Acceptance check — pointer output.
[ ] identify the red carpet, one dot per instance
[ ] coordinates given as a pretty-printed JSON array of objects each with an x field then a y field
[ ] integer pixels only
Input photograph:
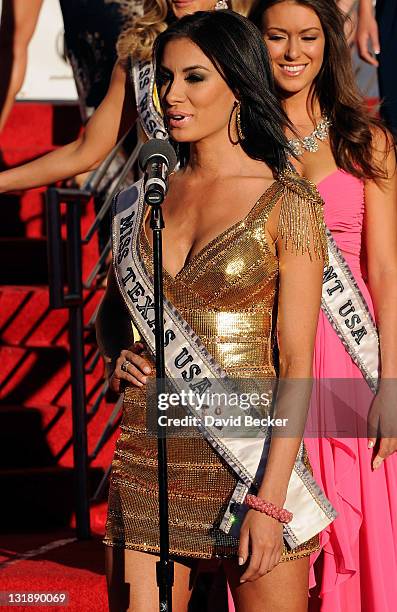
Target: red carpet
[
  {"x": 55, "y": 562},
  {"x": 36, "y": 477}
]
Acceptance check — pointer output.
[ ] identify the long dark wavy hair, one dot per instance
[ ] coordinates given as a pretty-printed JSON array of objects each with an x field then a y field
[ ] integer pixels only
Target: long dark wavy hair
[
  {"x": 352, "y": 130},
  {"x": 235, "y": 47}
]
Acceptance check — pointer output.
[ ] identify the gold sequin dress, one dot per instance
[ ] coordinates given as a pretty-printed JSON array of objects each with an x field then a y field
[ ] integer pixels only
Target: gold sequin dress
[{"x": 227, "y": 294}]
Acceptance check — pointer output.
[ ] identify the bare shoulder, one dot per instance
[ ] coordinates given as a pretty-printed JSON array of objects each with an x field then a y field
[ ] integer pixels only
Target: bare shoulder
[
  {"x": 381, "y": 137},
  {"x": 383, "y": 147}
]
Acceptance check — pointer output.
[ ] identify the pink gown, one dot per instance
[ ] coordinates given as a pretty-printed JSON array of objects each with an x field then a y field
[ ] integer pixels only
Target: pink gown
[{"x": 358, "y": 571}]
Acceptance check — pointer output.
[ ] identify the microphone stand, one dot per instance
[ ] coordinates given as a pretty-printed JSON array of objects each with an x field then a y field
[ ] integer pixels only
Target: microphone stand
[{"x": 164, "y": 567}]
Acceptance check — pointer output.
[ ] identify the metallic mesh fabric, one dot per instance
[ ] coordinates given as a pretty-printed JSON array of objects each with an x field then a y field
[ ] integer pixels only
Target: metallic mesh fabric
[{"x": 227, "y": 294}]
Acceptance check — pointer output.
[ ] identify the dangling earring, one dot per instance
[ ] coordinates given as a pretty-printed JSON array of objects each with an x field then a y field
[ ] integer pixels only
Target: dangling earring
[
  {"x": 238, "y": 122},
  {"x": 240, "y": 135},
  {"x": 220, "y": 5}
]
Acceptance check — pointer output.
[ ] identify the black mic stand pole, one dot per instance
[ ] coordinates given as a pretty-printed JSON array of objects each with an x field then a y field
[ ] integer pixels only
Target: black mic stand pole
[{"x": 164, "y": 567}]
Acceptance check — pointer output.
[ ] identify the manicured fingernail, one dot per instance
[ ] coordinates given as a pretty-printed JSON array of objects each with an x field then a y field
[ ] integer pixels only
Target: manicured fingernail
[
  {"x": 371, "y": 444},
  {"x": 241, "y": 581},
  {"x": 147, "y": 370},
  {"x": 377, "y": 463},
  {"x": 376, "y": 51},
  {"x": 241, "y": 560},
  {"x": 143, "y": 380}
]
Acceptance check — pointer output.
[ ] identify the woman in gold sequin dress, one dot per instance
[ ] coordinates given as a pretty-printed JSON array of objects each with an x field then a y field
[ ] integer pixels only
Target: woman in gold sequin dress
[{"x": 238, "y": 232}]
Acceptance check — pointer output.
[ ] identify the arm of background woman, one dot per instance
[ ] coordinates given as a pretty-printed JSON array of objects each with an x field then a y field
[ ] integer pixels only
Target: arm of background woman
[
  {"x": 300, "y": 286},
  {"x": 367, "y": 32},
  {"x": 109, "y": 122},
  {"x": 381, "y": 251}
]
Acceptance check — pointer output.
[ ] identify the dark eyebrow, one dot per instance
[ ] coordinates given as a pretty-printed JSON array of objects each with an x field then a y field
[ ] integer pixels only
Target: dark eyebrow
[
  {"x": 197, "y": 66},
  {"x": 286, "y": 32}
]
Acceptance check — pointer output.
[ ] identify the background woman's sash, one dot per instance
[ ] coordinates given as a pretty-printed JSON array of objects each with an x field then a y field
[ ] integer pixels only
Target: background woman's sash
[
  {"x": 346, "y": 309},
  {"x": 142, "y": 74}
]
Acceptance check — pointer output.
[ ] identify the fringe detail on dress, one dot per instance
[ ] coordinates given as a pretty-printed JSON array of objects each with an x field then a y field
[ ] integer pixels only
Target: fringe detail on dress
[{"x": 301, "y": 223}]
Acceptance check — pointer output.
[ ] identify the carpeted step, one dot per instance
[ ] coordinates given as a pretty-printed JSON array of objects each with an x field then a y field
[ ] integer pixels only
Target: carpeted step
[
  {"x": 24, "y": 214},
  {"x": 31, "y": 131},
  {"x": 34, "y": 375},
  {"x": 34, "y": 129},
  {"x": 42, "y": 375},
  {"x": 35, "y": 398},
  {"x": 26, "y": 261},
  {"x": 40, "y": 497},
  {"x": 38, "y": 437},
  {"x": 42, "y": 435},
  {"x": 23, "y": 436},
  {"x": 26, "y": 318}
]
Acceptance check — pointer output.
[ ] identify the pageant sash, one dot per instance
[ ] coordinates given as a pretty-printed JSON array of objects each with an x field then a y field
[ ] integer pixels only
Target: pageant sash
[
  {"x": 142, "y": 73},
  {"x": 346, "y": 309},
  {"x": 312, "y": 511}
]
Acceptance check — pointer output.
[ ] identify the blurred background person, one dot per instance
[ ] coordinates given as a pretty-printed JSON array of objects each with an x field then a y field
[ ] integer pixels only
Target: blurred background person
[
  {"x": 133, "y": 74},
  {"x": 92, "y": 28},
  {"x": 18, "y": 23},
  {"x": 91, "y": 31},
  {"x": 377, "y": 45}
]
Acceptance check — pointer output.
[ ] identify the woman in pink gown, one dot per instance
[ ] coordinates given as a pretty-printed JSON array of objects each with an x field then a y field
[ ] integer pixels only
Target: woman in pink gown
[
  {"x": 352, "y": 162},
  {"x": 359, "y": 564}
]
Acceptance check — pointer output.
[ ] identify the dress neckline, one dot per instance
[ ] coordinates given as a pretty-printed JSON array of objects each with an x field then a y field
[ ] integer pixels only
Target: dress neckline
[
  {"x": 188, "y": 264},
  {"x": 328, "y": 176}
]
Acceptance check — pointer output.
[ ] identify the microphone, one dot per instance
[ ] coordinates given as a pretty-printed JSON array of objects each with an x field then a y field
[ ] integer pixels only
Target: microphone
[{"x": 157, "y": 159}]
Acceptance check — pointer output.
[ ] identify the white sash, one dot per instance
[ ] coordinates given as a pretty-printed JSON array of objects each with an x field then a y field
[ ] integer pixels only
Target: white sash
[
  {"x": 346, "y": 309},
  {"x": 312, "y": 511},
  {"x": 142, "y": 74}
]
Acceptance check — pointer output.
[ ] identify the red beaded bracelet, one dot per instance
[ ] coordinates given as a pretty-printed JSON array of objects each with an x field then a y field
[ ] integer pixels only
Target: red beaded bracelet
[{"x": 280, "y": 514}]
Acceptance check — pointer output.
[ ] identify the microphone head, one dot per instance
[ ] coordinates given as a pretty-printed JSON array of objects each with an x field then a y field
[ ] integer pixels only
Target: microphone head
[{"x": 157, "y": 146}]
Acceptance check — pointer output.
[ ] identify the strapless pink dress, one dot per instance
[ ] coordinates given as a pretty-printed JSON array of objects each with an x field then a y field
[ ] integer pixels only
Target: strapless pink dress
[
  {"x": 357, "y": 568},
  {"x": 359, "y": 560}
]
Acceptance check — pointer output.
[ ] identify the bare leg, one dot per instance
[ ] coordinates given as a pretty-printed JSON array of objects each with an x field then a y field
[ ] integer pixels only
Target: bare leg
[
  {"x": 284, "y": 589},
  {"x": 18, "y": 22},
  {"x": 131, "y": 579}
]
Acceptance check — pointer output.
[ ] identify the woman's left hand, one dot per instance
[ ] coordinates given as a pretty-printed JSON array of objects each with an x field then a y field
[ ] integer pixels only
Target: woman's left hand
[
  {"x": 261, "y": 541},
  {"x": 382, "y": 423}
]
